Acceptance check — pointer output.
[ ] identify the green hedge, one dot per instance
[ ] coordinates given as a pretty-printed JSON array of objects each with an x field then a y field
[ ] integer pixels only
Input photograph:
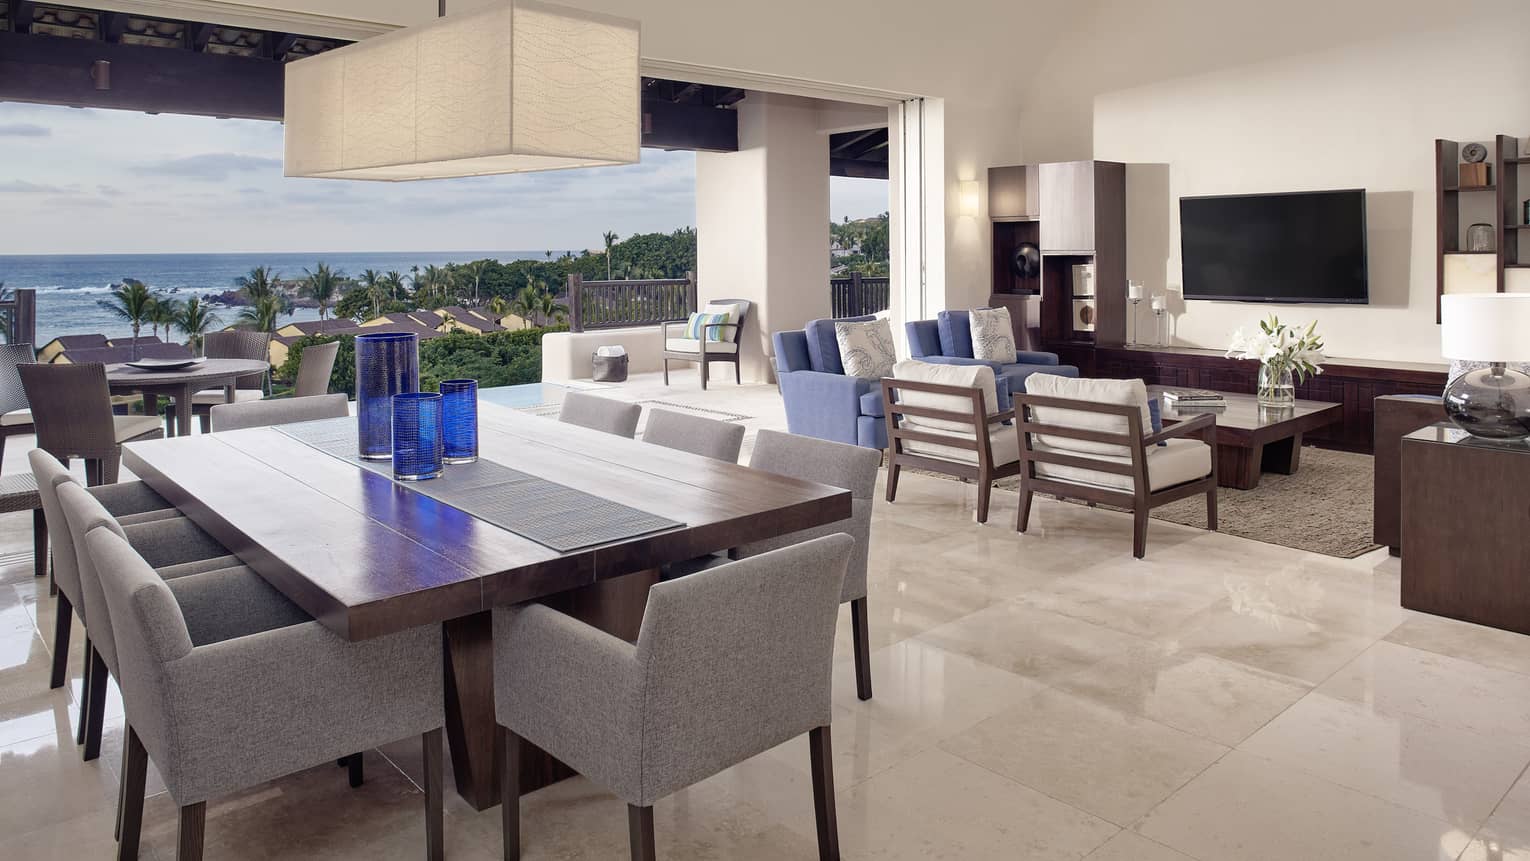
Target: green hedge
[{"x": 496, "y": 359}]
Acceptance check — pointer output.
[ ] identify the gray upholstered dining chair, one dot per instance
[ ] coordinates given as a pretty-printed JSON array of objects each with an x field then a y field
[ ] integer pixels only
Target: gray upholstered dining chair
[
  {"x": 603, "y": 414},
  {"x": 130, "y": 502},
  {"x": 695, "y": 434},
  {"x": 278, "y": 411},
  {"x": 219, "y": 710},
  {"x": 231, "y": 344},
  {"x": 315, "y": 366},
  {"x": 729, "y": 663},
  {"x": 72, "y": 412},
  {"x": 15, "y": 412}
]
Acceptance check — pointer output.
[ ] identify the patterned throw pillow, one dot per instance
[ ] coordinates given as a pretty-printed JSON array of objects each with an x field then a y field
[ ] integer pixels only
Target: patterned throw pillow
[
  {"x": 697, "y": 323},
  {"x": 866, "y": 349},
  {"x": 993, "y": 339}
]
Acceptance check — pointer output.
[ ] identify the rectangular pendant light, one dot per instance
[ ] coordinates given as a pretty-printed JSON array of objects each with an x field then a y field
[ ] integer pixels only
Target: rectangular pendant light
[{"x": 509, "y": 88}]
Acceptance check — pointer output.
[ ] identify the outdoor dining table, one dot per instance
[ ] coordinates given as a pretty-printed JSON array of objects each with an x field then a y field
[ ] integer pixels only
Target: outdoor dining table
[
  {"x": 366, "y": 555},
  {"x": 181, "y": 384}
]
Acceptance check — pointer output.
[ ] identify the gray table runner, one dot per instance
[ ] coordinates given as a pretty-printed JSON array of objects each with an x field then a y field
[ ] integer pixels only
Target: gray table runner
[{"x": 543, "y": 511}]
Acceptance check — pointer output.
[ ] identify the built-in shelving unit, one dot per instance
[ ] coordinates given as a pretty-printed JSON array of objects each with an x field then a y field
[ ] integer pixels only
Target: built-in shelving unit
[{"x": 1505, "y": 215}]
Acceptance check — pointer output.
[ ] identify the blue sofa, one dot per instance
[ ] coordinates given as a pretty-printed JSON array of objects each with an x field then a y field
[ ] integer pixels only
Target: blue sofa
[
  {"x": 821, "y": 401},
  {"x": 947, "y": 340}
]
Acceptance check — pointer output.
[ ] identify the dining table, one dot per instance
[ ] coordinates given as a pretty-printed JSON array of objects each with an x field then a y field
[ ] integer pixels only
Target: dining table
[
  {"x": 552, "y": 512},
  {"x": 181, "y": 384}
]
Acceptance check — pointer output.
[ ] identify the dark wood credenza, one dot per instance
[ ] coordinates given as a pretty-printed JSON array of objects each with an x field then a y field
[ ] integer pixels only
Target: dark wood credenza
[{"x": 1355, "y": 384}]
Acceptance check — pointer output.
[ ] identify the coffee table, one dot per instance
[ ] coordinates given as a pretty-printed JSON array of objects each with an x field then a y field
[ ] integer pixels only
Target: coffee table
[{"x": 1254, "y": 439}]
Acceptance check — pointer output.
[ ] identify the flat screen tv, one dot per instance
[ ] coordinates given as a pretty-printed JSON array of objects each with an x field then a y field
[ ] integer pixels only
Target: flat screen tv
[{"x": 1299, "y": 247}]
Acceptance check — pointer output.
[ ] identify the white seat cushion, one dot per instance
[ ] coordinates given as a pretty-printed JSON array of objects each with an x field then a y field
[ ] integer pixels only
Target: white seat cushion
[
  {"x": 1179, "y": 461},
  {"x": 128, "y": 427},
  {"x": 691, "y": 345},
  {"x": 1115, "y": 392},
  {"x": 15, "y": 418},
  {"x": 1002, "y": 439},
  {"x": 213, "y": 397}
]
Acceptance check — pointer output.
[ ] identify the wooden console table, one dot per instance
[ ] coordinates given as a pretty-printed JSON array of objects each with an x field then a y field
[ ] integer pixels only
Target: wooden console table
[
  {"x": 1466, "y": 527},
  {"x": 1253, "y": 439}
]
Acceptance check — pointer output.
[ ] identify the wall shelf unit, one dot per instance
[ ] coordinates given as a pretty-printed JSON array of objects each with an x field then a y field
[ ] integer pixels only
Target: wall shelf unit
[{"x": 1504, "y": 216}]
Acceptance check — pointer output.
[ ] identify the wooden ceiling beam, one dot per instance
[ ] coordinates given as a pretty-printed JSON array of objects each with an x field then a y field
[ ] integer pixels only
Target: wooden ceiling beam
[{"x": 679, "y": 126}]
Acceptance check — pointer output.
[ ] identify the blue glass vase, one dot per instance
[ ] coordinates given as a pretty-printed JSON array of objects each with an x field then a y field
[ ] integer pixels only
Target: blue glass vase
[
  {"x": 459, "y": 399},
  {"x": 417, "y": 436},
  {"x": 386, "y": 365}
]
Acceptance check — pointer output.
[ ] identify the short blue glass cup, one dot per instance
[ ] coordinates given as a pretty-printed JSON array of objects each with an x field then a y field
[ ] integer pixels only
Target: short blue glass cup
[
  {"x": 417, "y": 436},
  {"x": 459, "y": 401}
]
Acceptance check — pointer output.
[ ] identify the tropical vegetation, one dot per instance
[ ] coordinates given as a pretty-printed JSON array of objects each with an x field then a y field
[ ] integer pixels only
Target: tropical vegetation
[
  {"x": 133, "y": 301},
  {"x": 861, "y": 246},
  {"x": 496, "y": 359}
]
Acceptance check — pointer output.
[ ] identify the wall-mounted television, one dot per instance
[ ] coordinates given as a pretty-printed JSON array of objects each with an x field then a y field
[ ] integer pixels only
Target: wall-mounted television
[{"x": 1304, "y": 246}]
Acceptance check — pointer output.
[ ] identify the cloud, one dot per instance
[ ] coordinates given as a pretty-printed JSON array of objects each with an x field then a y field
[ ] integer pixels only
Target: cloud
[
  {"x": 109, "y": 191},
  {"x": 21, "y": 186},
  {"x": 24, "y": 130},
  {"x": 209, "y": 167}
]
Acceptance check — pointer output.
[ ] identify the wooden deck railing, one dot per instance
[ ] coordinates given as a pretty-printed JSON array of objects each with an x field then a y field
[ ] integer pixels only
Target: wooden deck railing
[
  {"x": 639, "y": 302},
  {"x": 18, "y": 317},
  {"x": 859, "y": 295}
]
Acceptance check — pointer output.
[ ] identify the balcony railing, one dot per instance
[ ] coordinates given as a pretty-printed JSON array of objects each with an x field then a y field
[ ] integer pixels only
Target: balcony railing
[
  {"x": 18, "y": 317},
  {"x": 858, "y": 295},
  {"x": 638, "y": 302}
]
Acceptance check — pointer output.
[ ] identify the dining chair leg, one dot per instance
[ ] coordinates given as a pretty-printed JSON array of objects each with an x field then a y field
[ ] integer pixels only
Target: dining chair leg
[
  {"x": 823, "y": 793},
  {"x": 193, "y": 829},
  {"x": 135, "y": 774},
  {"x": 892, "y": 481},
  {"x": 1139, "y": 531},
  {"x": 1023, "y": 518},
  {"x": 96, "y": 704},
  {"x": 640, "y": 832},
  {"x": 122, "y": 784},
  {"x": 510, "y": 794},
  {"x": 435, "y": 824},
  {"x": 666, "y": 372},
  {"x": 85, "y": 685},
  {"x": 357, "y": 775},
  {"x": 861, "y": 627},
  {"x": 985, "y": 495},
  {"x": 738, "y": 375},
  {"x": 704, "y": 374},
  {"x": 204, "y": 421},
  {"x": 93, "y": 469},
  {"x": 1211, "y": 508},
  {"x": 39, "y": 542},
  {"x": 110, "y": 466},
  {"x": 63, "y": 620}
]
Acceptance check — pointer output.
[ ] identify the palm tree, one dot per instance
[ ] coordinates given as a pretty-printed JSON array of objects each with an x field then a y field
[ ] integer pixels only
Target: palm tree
[
  {"x": 498, "y": 307},
  {"x": 549, "y": 308},
  {"x": 195, "y": 319},
  {"x": 321, "y": 286},
  {"x": 261, "y": 315},
  {"x": 525, "y": 303},
  {"x": 475, "y": 272},
  {"x": 131, "y": 301},
  {"x": 164, "y": 312},
  {"x": 395, "y": 282},
  {"x": 414, "y": 278},
  {"x": 260, "y": 281},
  {"x": 610, "y": 237},
  {"x": 430, "y": 286},
  {"x": 376, "y": 286}
]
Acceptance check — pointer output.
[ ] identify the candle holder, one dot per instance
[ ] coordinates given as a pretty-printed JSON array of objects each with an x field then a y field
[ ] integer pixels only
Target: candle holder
[
  {"x": 1133, "y": 298},
  {"x": 459, "y": 400},
  {"x": 418, "y": 436},
  {"x": 386, "y": 365}
]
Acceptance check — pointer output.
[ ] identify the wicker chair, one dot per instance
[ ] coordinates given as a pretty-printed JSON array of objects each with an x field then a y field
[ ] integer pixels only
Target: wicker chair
[
  {"x": 72, "y": 412},
  {"x": 315, "y": 366},
  {"x": 15, "y": 414},
  {"x": 230, "y": 344},
  {"x": 704, "y": 350}
]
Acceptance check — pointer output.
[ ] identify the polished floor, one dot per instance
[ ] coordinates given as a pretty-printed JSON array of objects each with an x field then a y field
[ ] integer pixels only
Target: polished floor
[{"x": 1037, "y": 697}]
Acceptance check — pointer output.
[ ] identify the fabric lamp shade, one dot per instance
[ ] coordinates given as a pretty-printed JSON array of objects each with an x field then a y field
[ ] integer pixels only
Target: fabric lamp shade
[
  {"x": 508, "y": 88},
  {"x": 1485, "y": 327}
]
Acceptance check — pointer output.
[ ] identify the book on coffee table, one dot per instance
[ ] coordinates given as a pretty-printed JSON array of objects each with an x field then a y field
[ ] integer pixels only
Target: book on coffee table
[{"x": 1194, "y": 397}]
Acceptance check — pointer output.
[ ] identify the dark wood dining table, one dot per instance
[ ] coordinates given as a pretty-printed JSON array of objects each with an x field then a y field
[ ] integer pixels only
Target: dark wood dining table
[
  {"x": 367, "y": 556},
  {"x": 181, "y": 384}
]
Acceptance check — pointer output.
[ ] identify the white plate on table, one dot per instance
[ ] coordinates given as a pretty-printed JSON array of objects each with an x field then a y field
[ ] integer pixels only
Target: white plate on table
[{"x": 164, "y": 364}]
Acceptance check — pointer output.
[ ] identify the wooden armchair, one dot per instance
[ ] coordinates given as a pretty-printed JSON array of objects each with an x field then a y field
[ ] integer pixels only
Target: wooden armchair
[
  {"x": 945, "y": 427},
  {"x": 704, "y": 350},
  {"x": 1097, "y": 452}
]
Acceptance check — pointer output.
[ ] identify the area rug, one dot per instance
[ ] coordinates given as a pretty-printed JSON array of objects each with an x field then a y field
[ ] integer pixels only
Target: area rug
[{"x": 1324, "y": 508}]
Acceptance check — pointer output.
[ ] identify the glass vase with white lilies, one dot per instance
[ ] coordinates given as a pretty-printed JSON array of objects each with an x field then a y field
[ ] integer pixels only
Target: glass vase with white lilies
[{"x": 1287, "y": 355}]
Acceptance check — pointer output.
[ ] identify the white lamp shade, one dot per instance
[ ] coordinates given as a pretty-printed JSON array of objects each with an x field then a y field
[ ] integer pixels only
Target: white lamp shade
[
  {"x": 508, "y": 88},
  {"x": 1485, "y": 327}
]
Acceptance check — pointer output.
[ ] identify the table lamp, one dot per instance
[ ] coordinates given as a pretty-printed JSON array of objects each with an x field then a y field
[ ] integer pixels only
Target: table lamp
[{"x": 1492, "y": 402}]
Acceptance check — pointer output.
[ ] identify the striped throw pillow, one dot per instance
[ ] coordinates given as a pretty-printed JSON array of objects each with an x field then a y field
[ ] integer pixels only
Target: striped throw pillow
[{"x": 698, "y": 326}]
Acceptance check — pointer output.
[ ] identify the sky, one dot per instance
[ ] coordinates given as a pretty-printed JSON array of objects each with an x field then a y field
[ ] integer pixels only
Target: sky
[{"x": 88, "y": 181}]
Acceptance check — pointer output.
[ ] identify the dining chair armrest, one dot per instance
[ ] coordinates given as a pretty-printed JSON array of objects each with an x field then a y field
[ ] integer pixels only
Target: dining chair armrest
[
  {"x": 571, "y": 689},
  {"x": 1203, "y": 426}
]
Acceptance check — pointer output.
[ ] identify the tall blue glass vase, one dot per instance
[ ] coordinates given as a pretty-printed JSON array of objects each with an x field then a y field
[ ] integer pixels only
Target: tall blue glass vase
[
  {"x": 417, "y": 436},
  {"x": 386, "y": 365},
  {"x": 460, "y": 404}
]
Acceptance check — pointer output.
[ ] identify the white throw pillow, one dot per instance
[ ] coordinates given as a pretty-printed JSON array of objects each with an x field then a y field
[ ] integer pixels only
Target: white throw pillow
[
  {"x": 993, "y": 339},
  {"x": 965, "y": 376},
  {"x": 1119, "y": 392},
  {"x": 866, "y": 349}
]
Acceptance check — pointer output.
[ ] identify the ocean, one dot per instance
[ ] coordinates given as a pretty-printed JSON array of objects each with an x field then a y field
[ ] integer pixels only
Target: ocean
[{"x": 70, "y": 286}]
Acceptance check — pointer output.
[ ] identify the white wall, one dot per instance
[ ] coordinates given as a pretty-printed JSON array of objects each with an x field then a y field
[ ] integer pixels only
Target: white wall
[{"x": 1361, "y": 116}]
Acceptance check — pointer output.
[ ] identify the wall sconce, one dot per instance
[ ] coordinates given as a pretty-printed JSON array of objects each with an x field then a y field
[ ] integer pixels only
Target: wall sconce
[{"x": 967, "y": 198}]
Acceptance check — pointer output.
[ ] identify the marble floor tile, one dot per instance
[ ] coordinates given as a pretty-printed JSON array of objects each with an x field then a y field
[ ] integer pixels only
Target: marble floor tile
[
  {"x": 939, "y": 806},
  {"x": 1194, "y": 692},
  {"x": 87, "y": 836},
  {"x": 1255, "y": 636},
  {"x": 1130, "y": 846},
  {"x": 1095, "y": 758},
  {"x": 1506, "y": 834},
  {"x": 1450, "y": 691},
  {"x": 1449, "y": 774},
  {"x": 1029, "y": 642},
  {"x": 1490, "y": 647},
  {"x": 43, "y": 783},
  {"x": 1245, "y": 808}
]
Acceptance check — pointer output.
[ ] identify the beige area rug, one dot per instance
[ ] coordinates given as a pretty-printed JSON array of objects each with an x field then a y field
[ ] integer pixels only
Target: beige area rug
[{"x": 1324, "y": 508}]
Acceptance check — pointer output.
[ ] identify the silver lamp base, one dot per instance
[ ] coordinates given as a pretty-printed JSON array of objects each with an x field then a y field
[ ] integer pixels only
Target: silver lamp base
[{"x": 1491, "y": 402}]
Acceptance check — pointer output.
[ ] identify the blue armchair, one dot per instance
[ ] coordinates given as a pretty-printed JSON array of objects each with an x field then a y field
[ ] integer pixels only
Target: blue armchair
[
  {"x": 947, "y": 340},
  {"x": 821, "y": 401}
]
